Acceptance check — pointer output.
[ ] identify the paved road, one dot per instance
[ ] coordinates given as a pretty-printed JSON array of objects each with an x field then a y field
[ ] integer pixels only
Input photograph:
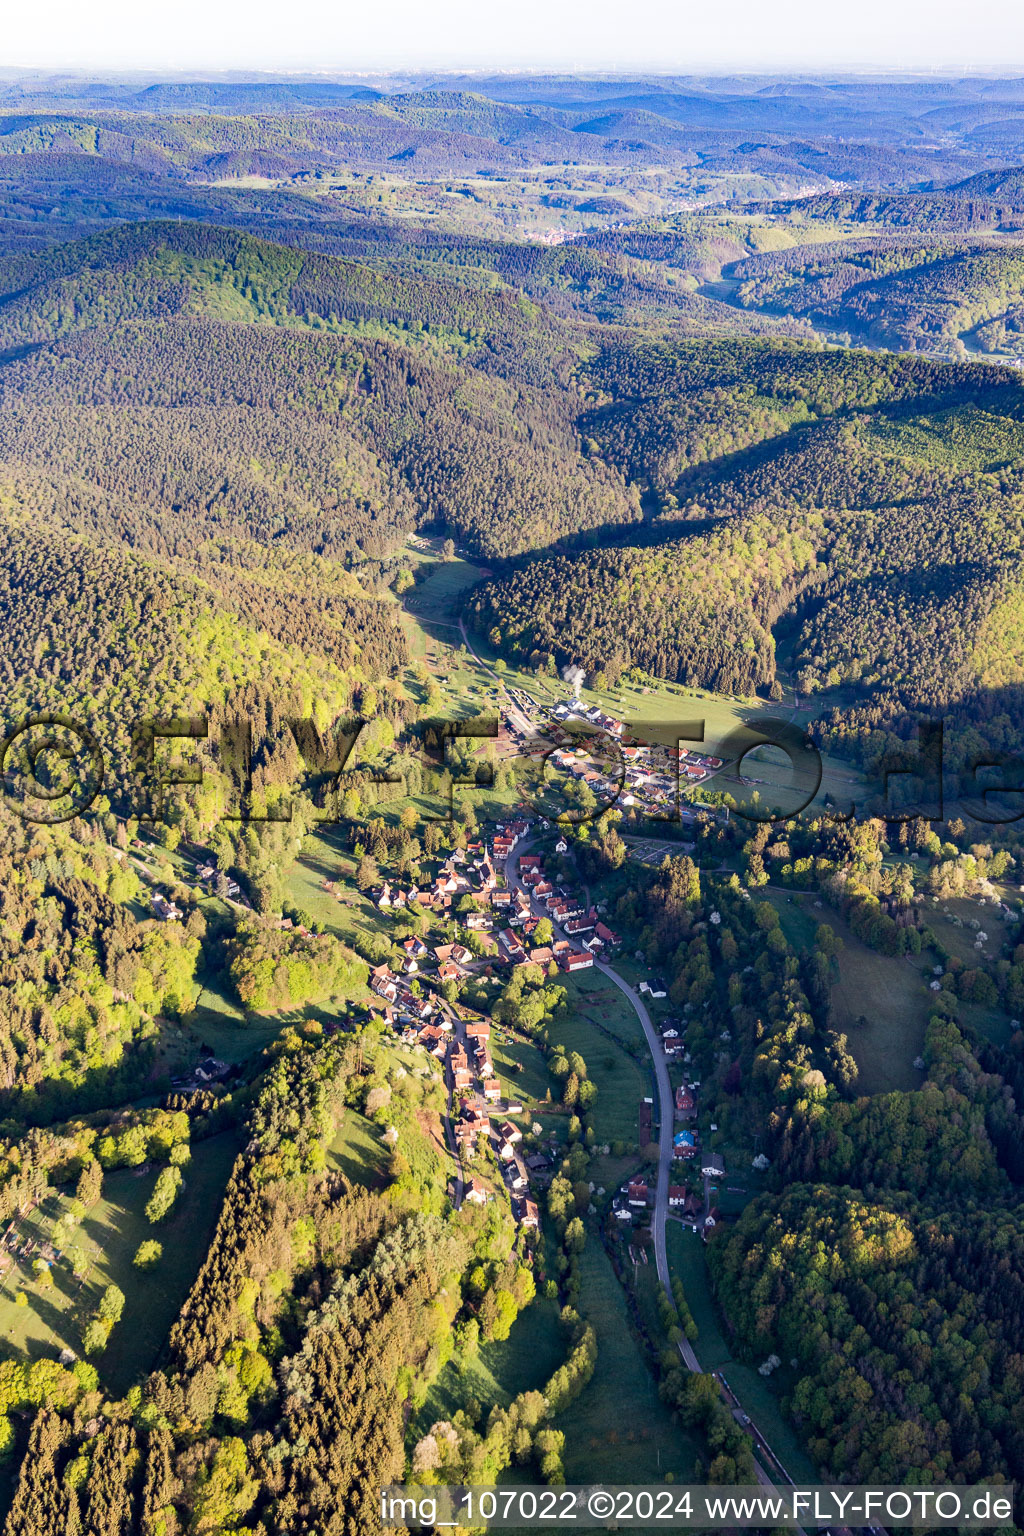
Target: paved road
[
  {"x": 665, "y": 1110},
  {"x": 665, "y": 1105}
]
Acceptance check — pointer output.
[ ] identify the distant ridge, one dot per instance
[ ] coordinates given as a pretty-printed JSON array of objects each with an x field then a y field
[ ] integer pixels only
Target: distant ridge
[{"x": 174, "y": 96}]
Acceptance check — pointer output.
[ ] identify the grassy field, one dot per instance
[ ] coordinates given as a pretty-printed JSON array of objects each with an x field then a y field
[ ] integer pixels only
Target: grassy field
[
  {"x": 620, "y": 1080},
  {"x": 891, "y": 997},
  {"x": 594, "y": 995},
  {"x": 323, "y": 857},
  {"x": 223, "y": 1026},
  {"x": 951, "y": 920},
  {"x": 798, "y": 917},
  {"x": 760, "y": 1396},
  {"x": 358, "y": 1152},
  {"x": 110, "y": 1234},
  {"x": 619, "y": 1425},
  {"x": 522, "y": 1071},
  {"x": 524, "y": 1362}
]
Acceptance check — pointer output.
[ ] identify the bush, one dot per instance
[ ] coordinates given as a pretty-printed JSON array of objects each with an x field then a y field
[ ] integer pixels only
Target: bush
[
  {"x": 111, "y": 1305},
  {"x": 148, "y": 1253},
  {"x": 165, "y": 1192},
  {"x": 95, "y": 1336}
]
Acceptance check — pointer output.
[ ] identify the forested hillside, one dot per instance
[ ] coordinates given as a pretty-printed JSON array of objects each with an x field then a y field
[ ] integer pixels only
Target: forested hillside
[
  {"x": 894, "y": 292},
  {"x": 334, "y": 410},
  {"x": 879, "y": 499}
]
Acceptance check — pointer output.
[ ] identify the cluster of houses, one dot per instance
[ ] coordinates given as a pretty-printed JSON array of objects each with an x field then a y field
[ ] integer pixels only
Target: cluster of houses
[
  {"x": 404, "y": 1008},
  {"x": 505, "y": 1139},
  {"x": 575, "y": 709},
  {"x": 586, "y": 934},
  {"x": 634, "y": 1199},
  {"x": 472, "y": 1078},
  {"x": 463, "y": 1075},
  {"x": 207, "y": 875},
  {"x": 685, "y": 1141},
  {"x": 466, "y": 872},
  {"x": 651, "y": 775},
  {"x": 474, "y": 872}
]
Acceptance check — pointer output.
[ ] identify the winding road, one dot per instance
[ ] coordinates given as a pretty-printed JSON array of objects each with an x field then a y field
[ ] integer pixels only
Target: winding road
[{"x": 666, "y": 1120}]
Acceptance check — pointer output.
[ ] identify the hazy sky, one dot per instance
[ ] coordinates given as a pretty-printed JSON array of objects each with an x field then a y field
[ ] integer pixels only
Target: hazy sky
[{"x": 905, "y": 35}]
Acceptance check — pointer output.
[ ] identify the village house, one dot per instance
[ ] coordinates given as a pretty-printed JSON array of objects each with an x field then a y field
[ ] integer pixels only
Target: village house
[
  {"x": 677, "y": 1194},
  {"x": 515, "y": 1176},
  {"x": 418, "y": 1007},
  {"x": 476, "y": 1192},
  {"x": 491, "y": 1089},
  {"x": 577, "y": 960},
  {"x": 637, "y": 1192},
  {"x": 712, "y": 1166},
  {"x": 384, "y": 982},
  {"x": 455, "y": 953},
  {"x": 511, "y": 946},
  {"x": 472, "y": 1125},
  {"x": 692, "y": 1208},
  {"x": 685, "y": 1103},
  {"x": 527, "y": 1215}
]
